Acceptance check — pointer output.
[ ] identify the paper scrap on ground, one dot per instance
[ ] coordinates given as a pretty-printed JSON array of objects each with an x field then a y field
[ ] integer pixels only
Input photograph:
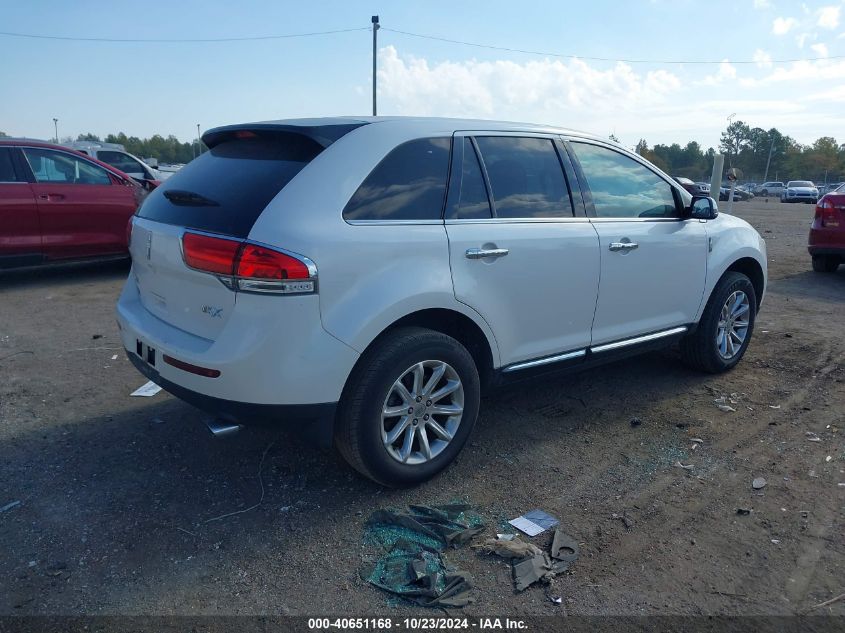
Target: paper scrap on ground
[
  {"x": 150, "y": 389},
  {"x": 534, "y": 522}
]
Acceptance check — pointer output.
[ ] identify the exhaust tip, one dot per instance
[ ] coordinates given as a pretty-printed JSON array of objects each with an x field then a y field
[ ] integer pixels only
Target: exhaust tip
[{"x": 221, "y": 428}]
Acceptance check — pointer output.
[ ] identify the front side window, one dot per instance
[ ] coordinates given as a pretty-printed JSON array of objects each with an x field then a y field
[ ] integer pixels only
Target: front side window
[
  {"x": 525, "y": 176},
  {"x": 622, "y": 187},
  {"x": 408, "y": 184},
  {"x": 124, "y": 163},
  {"x": 52, "y": 166}
]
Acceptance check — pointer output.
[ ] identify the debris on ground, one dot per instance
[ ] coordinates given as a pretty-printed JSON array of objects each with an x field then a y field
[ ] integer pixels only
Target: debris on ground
[
  {"x": 94, "y": 337},
  {"x": 743, "y": 511},
  {"x": 758, "y": 483},
  {"x": 146, "y": 390},
  {"x": 9, "y": 506},
  {"x": 534, "y": 522},
  {"x": 635, "y": 421},
  {"x": 678, "y": 464},
  {"x": 530, "y": 564},
  {"x": 414, "y": 540},
  {"x": 626, "y": 520},
  {"x": 828, "y": 458},
  {"x": 813, "y": 437}
]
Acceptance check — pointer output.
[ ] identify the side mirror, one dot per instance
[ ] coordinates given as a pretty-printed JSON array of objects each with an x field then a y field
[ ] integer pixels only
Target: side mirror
[{"x": 703, "y": 208}]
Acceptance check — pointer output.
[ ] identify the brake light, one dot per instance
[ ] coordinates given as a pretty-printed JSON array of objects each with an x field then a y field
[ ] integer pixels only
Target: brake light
[
  {"x": 210, "y": 254},
  {"x": 129, "y": 232},
  {"x": 249, "y": 267},
  {"x": 826, "y": 212}
]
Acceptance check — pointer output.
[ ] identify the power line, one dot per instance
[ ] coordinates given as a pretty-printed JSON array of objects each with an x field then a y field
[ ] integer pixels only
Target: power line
[
  {"x": 179, "y": 40},
  {"x": 602, "y": 59}
]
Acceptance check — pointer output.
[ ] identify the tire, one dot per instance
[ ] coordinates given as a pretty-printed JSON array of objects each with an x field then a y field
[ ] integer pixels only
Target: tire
[
  {"x": 702, "y": 349},
  {"x": 362, "y": 432},
  {"x": 765, "y": 192},
  {"x": 825, "y": 263}
]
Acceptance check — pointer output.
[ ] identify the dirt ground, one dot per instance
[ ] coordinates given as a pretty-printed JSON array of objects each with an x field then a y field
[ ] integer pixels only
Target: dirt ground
[{"x": 116, "y": 493}]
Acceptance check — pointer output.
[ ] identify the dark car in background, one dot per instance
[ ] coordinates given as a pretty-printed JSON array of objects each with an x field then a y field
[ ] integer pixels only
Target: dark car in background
[
  {"x": 827, "y": 233},
  {"x": 695, "y": 188},
  {"x": 57, "y": 204}
]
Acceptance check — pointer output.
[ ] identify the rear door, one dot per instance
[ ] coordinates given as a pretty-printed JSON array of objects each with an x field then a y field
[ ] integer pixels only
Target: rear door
[
  {"x": 522, "y": 252},
  {"x": 20, "y": 234},
  {"x": 653, "y": 262},
  {"x": 82, "y": 209},
  {"x": 222, "y": 192}
]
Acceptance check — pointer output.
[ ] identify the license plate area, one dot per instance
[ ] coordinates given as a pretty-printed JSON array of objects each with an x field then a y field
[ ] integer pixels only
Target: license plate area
[{"x": 145, "y": 352}]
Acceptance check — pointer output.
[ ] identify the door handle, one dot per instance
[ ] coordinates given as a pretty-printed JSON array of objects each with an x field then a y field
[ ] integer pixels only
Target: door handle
[
  {"x": 51, "y": 196},
  {"x": 623, "y": 246},
  {"x": 481, "y": 253}
]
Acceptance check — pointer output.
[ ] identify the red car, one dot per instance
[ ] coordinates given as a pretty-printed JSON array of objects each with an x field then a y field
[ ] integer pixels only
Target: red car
[
  {"x": 827, "y": 233},
  {"x": 57, "y": 204}
]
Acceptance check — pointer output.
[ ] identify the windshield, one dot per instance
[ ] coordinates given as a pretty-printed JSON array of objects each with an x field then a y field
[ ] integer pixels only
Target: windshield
[{"x": 800, "y": 183}]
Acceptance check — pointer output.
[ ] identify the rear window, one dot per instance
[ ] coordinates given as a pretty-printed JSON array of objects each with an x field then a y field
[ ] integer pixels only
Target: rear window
[{"x": 225, "y": 189}]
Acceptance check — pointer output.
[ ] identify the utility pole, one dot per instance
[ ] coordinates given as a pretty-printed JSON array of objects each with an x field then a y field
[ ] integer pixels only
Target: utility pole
[
  {"x": 376, "y": 27},
  {"x": 771, "y": 149},
  {"x": 199, "y": 145},
  {"x": 56, "y": 127},
  {"x": 730, "y": 162}
]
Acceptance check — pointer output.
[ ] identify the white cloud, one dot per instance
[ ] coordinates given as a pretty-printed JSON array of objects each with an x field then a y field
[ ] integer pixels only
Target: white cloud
[
  {"x": 726, "y": 72},
  {"x": 782, "y": 26},
  {"x": 630, "y": 101},
  {"x": 820, "y": 49},
  {"x": 762, "y": 4},
  {"x": 762, "y": 58},
  {"x": 828, "y": 17},
  {"x": 536, "y": 89}
]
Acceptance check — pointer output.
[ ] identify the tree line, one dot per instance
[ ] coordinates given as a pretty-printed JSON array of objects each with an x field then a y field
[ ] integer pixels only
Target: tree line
[
  {"x": 751, "y": 149},
  {"x": 166, "y": 150}
]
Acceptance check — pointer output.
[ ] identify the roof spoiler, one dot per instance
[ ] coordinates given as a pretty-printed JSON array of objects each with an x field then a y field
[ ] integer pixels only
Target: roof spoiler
[{"x": 322, "y": 135}]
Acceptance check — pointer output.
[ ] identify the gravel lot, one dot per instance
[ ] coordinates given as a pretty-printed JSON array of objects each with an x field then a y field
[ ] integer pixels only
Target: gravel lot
[{"x": 116, "y": 493}]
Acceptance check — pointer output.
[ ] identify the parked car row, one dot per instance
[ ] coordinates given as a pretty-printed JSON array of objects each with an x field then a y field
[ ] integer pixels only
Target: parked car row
[{"x": 58, "y": 204}]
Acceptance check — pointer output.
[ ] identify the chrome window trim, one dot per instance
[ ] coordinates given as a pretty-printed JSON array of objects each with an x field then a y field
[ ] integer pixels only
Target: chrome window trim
[
  {"x": 575, "y": 220},
  {"x": 545, "y": 361},
  {"x": 603, "y": 220},
  {"x": 72, "y": 154},
  {"x": 387, "y": 222},
  {"x": 639, "y": 339}
]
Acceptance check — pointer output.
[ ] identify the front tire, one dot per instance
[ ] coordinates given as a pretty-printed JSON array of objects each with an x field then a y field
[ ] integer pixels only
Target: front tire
[
  {"x": 408, "y": 407},
  {"x": 725, "y": 328},
  {"x": 825, "y": 263}
]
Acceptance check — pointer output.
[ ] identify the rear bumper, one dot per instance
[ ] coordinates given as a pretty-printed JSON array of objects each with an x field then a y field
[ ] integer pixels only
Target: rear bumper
[
  {"x": 824, "y": 250},
  {"x": 318, "y": 418},
  {"x": 826, "y": 240}
]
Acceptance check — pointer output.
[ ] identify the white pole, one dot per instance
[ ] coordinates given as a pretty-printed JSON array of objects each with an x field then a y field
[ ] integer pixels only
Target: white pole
[{"x": 716, "y": 177}]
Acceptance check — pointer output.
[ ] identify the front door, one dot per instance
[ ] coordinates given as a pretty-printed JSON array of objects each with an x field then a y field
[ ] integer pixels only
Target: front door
[
  {"x": 653, "y": 262},
  {"x": 519, "y": 255}
]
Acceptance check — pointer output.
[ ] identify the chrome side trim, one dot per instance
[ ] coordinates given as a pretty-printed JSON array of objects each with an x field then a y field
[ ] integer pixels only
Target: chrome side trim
[
  {"x": 606, "y": 220},
  {"x": 639, "y": 339},
  {"x": 545, "y": 361}
]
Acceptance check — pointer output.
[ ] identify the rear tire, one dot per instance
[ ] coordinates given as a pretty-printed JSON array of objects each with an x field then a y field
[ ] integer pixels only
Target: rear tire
[
  {"x": 392, "y": 393},
  {"x": 825, "y": 263},
  {"x": 725, "y": 328}
]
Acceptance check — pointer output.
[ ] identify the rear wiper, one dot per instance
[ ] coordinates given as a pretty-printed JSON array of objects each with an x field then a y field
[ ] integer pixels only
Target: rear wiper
[{"x": 189, "y": 198}]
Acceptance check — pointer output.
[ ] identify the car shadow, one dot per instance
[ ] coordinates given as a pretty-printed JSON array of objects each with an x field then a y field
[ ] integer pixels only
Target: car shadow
[{"x": 65, "y": 273}]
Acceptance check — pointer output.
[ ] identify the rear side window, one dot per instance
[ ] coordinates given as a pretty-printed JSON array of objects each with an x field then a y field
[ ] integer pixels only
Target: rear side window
[
  {"x": 408, "y": 184},
  {"x": 124, "y": 163},
  {"x": 7, "y": 169},
  {"x": 526, "y": 177},
  {"x": 623, "y": 188},
  {"x": 225, "y": 189},
  {"x": 473, "y": 202}
]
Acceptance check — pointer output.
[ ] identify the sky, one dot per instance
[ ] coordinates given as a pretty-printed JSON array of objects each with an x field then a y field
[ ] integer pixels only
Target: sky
[{"x": 578, "y": 80}]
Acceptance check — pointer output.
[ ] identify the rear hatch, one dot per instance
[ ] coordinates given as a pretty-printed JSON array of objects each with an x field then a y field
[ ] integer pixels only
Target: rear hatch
[{"x": 221, "y": 193}]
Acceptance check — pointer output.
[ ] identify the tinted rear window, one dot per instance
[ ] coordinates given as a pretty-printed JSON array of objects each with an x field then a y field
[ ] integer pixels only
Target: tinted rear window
[
  {"x": 225, "y": 189},
  {"x": 408, "y": 184}
]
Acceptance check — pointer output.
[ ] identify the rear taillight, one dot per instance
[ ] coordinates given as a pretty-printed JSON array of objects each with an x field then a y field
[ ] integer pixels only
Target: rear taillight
[
  {"x": 249, "y": 267},
  {"x": 826, "y": 212}
]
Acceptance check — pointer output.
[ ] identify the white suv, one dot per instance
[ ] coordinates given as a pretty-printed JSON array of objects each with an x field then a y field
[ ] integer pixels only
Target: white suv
[{"x": 369, "y": 277}]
